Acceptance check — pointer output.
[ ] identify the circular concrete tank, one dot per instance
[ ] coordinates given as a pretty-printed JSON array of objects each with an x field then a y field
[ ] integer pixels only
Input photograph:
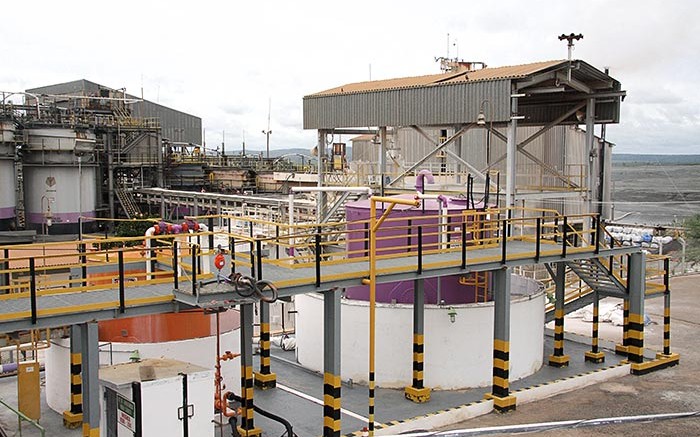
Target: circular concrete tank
[
  {"x": 8, "y": 199},
  {"x": 458, "y": 354},
  {"x": 60, "y": 179},
  {"x": 187, "y": 336}
]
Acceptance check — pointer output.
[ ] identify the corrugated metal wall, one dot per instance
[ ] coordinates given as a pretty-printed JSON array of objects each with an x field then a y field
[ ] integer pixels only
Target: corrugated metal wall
[
  {"x": 176, "y": 125},
  {"x": 446, "y": 104},
  {"x": 562, "y": 147}
]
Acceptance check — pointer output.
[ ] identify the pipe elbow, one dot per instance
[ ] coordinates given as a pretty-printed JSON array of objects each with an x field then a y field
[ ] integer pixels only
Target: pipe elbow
[{"x": 424, "y": 175}]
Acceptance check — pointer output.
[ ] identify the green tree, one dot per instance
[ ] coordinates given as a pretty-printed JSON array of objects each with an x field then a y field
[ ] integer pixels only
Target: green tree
[{"x": 692, "y": 237}]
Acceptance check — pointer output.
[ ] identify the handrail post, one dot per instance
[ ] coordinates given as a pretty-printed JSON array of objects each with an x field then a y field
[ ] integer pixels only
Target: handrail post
[
  {"x": 596, "y": 224},
  {"x": 504, "y": 241},
  {"x": 32, "y": 289},
  {"x": 194, "y": 269},
  {"x": 318, "y": 256},
  {"x": 122, "y": 303},
  {"x": 464, "y": 243},
  {"x": 564, "y": 238},
  {"x": 367, "y": 239},
  {"x": 83, "y": 264},
  {"x": 258, "y": 253},
  {"x": 538, "y": 238},
  {"x": 176, "y": 278},
  {"x": 420, "y": 250},
  {"x": 232, "y": 248},
  {"x": 210, "y": 225}
]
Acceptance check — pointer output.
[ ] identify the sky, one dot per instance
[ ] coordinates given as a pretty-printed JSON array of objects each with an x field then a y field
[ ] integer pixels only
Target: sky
[{"x": 229, "y": 61}]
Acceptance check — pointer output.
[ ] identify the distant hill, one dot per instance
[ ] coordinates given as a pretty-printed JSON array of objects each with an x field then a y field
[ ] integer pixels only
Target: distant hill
[
  {"x": 638, "y": 159},
  {"x": 274, "y": 153}
]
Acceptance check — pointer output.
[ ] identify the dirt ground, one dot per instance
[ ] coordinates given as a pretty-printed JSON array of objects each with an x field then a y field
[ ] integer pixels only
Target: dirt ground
[{"x": 672, "y": 390}]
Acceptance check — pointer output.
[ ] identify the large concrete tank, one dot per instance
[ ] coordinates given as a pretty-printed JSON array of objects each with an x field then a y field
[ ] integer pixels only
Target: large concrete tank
[
  {"x": 7, "y": 175},
  {"x": 60, "y": 177}
]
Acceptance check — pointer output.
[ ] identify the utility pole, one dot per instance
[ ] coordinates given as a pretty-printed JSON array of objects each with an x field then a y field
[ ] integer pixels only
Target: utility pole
[{"x": 268, "y": 131}]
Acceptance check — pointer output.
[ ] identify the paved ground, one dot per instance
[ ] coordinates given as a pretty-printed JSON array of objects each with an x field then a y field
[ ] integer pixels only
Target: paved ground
[{"x": 668, "y": 391}]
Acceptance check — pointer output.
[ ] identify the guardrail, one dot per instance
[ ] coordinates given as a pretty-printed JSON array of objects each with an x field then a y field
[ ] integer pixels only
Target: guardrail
[{"x": 22, "y": 417}]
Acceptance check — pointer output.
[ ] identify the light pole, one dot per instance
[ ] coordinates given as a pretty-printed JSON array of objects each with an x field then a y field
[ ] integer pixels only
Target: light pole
[
  {"x": 374, "y": 225},
  {"x": 267, "y": 134}
]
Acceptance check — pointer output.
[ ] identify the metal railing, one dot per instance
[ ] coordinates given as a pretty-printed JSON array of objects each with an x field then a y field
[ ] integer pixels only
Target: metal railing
[
  {"x": 410, "y": 239},
  {"x": 22, "y": 417}
]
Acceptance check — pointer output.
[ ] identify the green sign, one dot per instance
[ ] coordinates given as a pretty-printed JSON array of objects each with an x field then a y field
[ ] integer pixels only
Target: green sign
[{"x": 125, "y": 412}]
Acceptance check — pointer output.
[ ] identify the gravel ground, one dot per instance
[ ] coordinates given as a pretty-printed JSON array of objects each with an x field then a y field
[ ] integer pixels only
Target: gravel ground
[{"x": 672, "y": 390}]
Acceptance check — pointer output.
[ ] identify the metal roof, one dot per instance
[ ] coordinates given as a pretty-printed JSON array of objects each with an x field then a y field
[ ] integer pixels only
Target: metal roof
[
  {"x": 507, "y": 72},
  {"x": 548, "y": 89}
]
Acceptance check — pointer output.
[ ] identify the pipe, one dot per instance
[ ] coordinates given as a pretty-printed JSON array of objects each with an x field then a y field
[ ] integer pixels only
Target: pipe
[{"x": 421, "y": 177}]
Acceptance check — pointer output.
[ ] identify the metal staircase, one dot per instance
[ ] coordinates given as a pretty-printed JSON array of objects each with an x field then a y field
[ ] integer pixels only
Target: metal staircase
[
  {"x": 128, "y": 203},
  {"x": 598, "y": 277}
]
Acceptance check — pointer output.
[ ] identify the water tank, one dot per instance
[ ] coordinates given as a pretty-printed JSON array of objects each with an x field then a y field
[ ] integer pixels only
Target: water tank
[
  {"x": 60, "y": 179},
  {"x": 399, "y": 233},
  {"x": 7, "y": 175}
]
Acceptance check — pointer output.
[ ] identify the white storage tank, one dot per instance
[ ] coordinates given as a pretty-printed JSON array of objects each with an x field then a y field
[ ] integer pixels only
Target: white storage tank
[
  {"x": 458, "y": 354},
  {"x": 60, "y": 179},
  {"x": 8, "y": 184}
]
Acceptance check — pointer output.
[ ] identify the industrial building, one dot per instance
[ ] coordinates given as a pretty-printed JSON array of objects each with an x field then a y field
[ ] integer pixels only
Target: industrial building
[{"x": 479, "y": 173}]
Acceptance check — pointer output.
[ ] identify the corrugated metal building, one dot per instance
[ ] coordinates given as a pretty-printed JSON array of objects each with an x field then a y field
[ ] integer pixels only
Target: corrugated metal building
[{"x": 176, "y": 125}]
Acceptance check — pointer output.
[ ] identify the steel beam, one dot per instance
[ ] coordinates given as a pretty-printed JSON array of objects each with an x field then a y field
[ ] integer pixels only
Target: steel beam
[
  {"x": 439, "y": 147},
  {"x": 331, "y": 363}
]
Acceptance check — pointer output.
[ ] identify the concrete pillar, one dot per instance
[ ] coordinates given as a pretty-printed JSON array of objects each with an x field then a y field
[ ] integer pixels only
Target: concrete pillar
[
  {"x": 558, "y": 359},
  {"x": 73, "y": 418},
  {"x": 264, "y": 378},
  {"x": 331, "y": 363},
  {"x": 595, "y": 355},
  {"x": 500, "y": 393},
  {"x": 246, "y": 423},
  {"x": 416, "y": 392},
  {"x": 89, "y": 346}
]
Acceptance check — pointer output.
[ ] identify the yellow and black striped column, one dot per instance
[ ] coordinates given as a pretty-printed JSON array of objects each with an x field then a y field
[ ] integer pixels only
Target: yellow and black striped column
[
  {"x": 331, "y": 363},
  {"x": 669, "y": 358},
  {"x": 558, "y": 359},
  {"x": 636, "y": 284},
  {"x": 595, "y": 355},
  {"x": 417, "y": 392},
  {"x": 246, "y": 425},
  {"x": 503, "y": 401},
  {"x": 264, "y": 379},
  {"x": 73, "y": 418},
  {"x": 621, "y": 348}
]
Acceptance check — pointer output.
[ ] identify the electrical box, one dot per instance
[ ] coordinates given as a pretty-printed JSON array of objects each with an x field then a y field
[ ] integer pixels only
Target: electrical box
[{"x": 28, "y": 389}]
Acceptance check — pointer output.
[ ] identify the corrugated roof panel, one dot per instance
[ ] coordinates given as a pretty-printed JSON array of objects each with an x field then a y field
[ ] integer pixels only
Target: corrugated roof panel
[{"x": 497, "y": 73}]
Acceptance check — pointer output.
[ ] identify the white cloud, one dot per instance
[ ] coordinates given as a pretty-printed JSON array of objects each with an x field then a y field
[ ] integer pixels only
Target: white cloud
[{"x": 224, "y": 60}]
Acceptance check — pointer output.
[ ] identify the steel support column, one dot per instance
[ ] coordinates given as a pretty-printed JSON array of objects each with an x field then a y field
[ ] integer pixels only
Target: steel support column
[
  {"x": 621, "y": 349},
  {"x": 558, "y": 359},
  {"x": 511, "y": 169},
  {"x": 635, "y": 333},
  {"x": 500, "y": 392},
  {"x": 595, "y": 355},
  {"x": 321, "y": 196},
  {"x": 417, "y": 392},
  {"x": 331, "y": 363},
  {"x": 73, "y": 418},
  {"x": 246, "y": 424},
  {"x": 670, "y": 358},
  {"x": 90, "y": 365},
  {"x": 382, "y": 159},
  {"x": 264, "y": 378}
]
